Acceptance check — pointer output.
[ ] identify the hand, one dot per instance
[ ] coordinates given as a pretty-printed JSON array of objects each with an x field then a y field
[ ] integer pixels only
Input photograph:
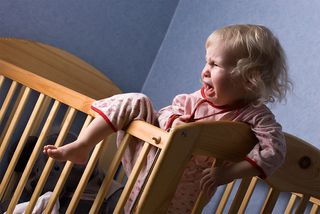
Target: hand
[
  {"x": 214, "y": 177},
  {"x": 180, "y": 120}
]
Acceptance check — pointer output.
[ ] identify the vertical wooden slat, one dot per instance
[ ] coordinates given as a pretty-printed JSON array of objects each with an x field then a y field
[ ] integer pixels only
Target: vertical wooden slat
[
  {"x": 85, "y": 177},
  {"x": 314, "y": 209},
  {"x": 239, "y": 195},
  {"x": 110, "y": 174},
  {"x": 7, "y": 100},
  {"x": 225, "y": 197},
  {"x": 37, "y": 149},
  {"x": 41, "y": 115},
  {"x": 133, "y": 177},
  {"x": 291, "y": 203},
  {"x": 63, "y": 177},
  {"x": 201, "y": 201},
  {"x": 302, "y": 205},
  {"x": 12, "y": 113},
  {"x": 11, "y": 187},
  {"x": 2, "y": 78},
  {"x": 47, "y": 169},
  {"x": 248, "y": 194},
  {"x": 270, "y": 201},
  {"x": 20, "y": 146},
  {"x": 14, "y": 122}
]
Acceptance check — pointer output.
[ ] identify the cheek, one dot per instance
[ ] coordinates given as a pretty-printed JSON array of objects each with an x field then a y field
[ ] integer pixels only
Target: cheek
[
  {"x": 221, "y": 82},
  {"x": 227, "y": 89}
]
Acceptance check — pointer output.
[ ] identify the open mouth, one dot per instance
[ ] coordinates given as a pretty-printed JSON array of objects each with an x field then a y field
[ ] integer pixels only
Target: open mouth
[{"x": 209, "y": 90}]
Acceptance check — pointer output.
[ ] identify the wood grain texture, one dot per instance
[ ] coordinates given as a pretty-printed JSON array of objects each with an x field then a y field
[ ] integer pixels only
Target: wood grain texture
[
  {"x": 58, "y": 66},
  {"x": 301, "y": 170}
]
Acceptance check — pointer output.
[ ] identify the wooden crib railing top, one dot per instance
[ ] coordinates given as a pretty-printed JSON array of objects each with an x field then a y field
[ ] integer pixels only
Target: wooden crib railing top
[
  {"x": 42, "y": 85},
  {"x": 58, "y": 66}
]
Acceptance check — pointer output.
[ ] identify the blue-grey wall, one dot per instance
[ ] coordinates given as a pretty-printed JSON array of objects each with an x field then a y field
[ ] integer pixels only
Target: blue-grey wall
[
  {"x": 296, "y": 23},
  {"x": 120, "y": 38}
]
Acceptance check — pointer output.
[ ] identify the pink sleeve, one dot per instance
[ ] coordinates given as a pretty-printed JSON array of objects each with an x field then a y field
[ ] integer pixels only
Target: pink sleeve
[
  {"x": 269, "y": 154},
  {"x": 170, "y": 113},
  {"x": 120, "y": 110}
]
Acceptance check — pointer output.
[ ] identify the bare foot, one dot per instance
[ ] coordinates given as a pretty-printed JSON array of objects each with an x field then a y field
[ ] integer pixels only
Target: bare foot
[{"x": 73, "y": 152}]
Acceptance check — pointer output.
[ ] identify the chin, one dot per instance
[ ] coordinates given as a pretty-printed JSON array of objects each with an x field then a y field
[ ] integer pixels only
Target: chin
[{"x": 213, "y": 100}]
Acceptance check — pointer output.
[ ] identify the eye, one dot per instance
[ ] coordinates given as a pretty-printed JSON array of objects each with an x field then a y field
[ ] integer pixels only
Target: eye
[{"x": 212, "y": 64}]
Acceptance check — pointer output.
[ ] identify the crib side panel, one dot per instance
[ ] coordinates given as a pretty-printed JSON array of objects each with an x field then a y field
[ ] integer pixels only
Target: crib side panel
[{"x": 33, "y": 106}]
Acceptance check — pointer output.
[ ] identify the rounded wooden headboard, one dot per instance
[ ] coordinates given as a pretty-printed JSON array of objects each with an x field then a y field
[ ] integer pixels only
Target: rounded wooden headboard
[{"x": 58, "y": 66}]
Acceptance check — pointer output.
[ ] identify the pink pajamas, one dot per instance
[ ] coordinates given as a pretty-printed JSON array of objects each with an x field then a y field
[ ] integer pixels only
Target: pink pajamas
[{"x": 120, "y": 110}]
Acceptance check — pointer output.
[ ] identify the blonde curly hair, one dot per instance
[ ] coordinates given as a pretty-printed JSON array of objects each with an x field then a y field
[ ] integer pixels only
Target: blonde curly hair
[{"x": 261, "y": 63}]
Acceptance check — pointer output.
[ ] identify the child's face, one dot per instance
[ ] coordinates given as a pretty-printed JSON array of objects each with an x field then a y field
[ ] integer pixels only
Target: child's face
[{"x": 219, "y": 85}]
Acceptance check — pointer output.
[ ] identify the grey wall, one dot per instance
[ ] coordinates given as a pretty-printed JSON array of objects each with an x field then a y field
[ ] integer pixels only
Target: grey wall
[
  {"x": 296, "y": 23},
  {"x": 119, "y": 37}
]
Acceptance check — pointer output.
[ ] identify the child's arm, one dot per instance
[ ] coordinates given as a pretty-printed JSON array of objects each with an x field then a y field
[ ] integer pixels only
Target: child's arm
[
  {"x": 168, "y": 115},
  {"x": 176, "y": 113},
  {"x": 266, "y": 156},
  {"x": 214, "y": 177}
]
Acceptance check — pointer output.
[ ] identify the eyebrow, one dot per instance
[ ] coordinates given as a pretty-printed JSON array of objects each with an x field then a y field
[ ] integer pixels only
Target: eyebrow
[{"x": 211, "y": 61}]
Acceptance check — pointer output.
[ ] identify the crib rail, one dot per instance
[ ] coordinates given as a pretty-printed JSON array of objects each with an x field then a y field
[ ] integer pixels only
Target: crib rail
[
  {"x": 58, "y": 66},
  {"x": 45, "y": 86}
]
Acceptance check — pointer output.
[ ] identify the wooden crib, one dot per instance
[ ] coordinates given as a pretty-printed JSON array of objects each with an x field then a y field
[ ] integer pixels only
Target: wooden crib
[{"x": 56, "y": 79}]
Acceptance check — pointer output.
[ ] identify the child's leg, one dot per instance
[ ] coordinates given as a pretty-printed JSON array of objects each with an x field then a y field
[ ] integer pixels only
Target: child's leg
[{"x": 78, "y": 151}]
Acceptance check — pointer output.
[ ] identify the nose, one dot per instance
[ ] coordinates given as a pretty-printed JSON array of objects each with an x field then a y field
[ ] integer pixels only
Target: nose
[{"x": 206, "y": 71}]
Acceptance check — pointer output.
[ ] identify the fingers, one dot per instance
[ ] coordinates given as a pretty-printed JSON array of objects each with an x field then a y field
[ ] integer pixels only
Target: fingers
[
  {"x": 207, "y": 171},
  {"x": 208, "y": 185},
  {"x": 209, "y": 181},
  {"x": 177, "y": 122},
  {"x": 206, "y": 175},
  {"x": 185, "y": 118}
]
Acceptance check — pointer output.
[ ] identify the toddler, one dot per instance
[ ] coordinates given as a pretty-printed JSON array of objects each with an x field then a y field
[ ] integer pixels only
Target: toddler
[{"x": 245, "y": 69}]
